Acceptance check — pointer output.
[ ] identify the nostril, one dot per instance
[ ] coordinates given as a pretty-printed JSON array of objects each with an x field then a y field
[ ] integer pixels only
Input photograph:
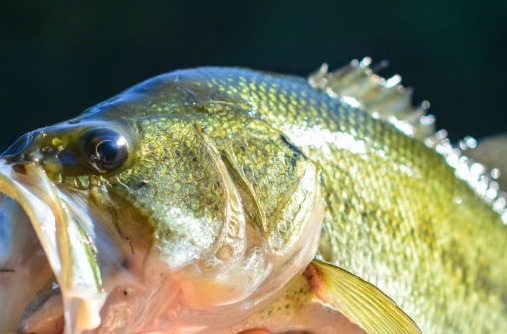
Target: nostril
[
  {"x": 19, "y": 168},
  {"x": 19, "y": 145}
]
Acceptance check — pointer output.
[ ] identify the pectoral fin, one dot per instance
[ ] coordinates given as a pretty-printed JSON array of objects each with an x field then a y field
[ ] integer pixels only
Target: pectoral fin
[
  {"x": 326, "y": 299},
  {"x": 361, "y": 302}
]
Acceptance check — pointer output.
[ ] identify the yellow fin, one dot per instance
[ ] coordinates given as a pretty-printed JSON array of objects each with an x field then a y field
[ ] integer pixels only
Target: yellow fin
[{"x": 361, "y": 302}]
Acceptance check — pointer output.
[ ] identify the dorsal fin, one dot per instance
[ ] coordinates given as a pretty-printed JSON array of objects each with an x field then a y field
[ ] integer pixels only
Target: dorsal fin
[
  {"x": 359, "y": 85},
  {"x": 492, "y": 151}
]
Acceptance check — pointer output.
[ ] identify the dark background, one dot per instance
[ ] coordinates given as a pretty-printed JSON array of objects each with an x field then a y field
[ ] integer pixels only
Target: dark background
[{"x": 60, "y": 57}]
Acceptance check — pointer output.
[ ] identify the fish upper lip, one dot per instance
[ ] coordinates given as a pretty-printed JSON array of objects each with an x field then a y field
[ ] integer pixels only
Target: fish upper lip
[{"x": 56, "y": 229}]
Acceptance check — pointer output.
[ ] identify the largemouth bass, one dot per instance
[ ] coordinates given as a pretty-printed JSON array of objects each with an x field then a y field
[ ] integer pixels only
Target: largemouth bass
[{"x": 224, "y": 200}]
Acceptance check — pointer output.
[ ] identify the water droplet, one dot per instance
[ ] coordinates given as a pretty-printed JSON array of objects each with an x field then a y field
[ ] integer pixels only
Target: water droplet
[{"x": 495, "y": 173}]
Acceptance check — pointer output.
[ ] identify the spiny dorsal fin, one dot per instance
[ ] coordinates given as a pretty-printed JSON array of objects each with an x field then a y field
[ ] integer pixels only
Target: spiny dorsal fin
[
  {"x": 359, "y": 85},
  {"x": 492, "y": 151},
  {"x": 387, "y": 99}
]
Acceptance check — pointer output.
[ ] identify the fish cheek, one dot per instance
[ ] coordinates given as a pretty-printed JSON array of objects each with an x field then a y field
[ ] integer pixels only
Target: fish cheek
[
  {"x": 129, "y": 227},
  {"x": 228, "y": 211},
  {"x": 174, "y": 183}
]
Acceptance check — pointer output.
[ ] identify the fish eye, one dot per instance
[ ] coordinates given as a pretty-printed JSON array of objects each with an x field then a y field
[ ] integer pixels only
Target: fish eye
[{"x": 106, "y": 149}]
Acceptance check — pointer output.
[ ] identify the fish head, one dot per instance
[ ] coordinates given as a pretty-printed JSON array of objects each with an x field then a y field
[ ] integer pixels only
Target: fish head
[
  {"x": 165, "y": 198},
  {"x": 55, "y": 204}
]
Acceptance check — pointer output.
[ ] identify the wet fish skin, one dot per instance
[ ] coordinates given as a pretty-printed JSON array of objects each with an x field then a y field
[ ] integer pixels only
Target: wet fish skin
[
  {"x": 396, "y": 214},
  {"x": 215, "y": 149}
]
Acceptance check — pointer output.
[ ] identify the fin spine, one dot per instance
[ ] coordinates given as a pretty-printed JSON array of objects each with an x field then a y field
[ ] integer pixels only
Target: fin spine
[{"x": 358, "y": 85}]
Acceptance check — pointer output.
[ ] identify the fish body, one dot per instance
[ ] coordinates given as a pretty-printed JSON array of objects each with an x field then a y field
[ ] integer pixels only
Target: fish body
[{"x": 196, "y": 201}]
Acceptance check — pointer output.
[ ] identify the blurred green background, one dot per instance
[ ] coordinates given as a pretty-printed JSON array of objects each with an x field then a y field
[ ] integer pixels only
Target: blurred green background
[{"x": 60, "y": 57}]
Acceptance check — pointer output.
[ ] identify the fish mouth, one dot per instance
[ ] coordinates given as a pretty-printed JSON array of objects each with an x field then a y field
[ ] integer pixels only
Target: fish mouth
[
  {"x": 48, "y": 266},
  {"x": 25, "y": 274}
]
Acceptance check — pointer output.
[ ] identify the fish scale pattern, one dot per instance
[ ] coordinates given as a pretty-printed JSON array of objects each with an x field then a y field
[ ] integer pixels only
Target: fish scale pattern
[{"x": 396, "y": 214}]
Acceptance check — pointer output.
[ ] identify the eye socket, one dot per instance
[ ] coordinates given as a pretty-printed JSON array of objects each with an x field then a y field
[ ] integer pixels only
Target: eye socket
[{"x": 106, "y": 149}]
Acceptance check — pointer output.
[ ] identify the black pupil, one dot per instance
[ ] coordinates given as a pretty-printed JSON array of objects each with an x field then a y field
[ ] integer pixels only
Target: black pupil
[{"x": 107, "y": 151}]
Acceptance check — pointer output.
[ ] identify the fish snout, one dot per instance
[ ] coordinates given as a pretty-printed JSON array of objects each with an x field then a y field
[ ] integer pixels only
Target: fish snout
[
  {"x": 31, "y": 147},
  {"x": 18, "y": 146}
]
